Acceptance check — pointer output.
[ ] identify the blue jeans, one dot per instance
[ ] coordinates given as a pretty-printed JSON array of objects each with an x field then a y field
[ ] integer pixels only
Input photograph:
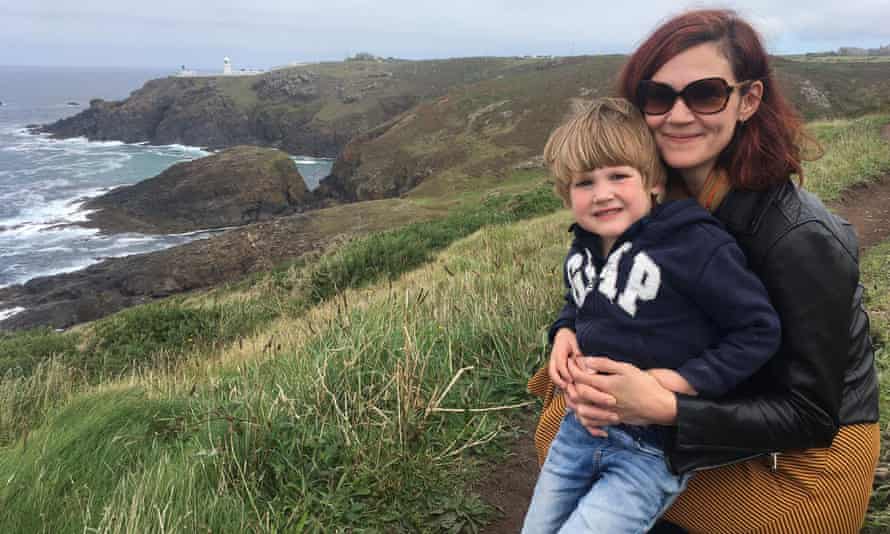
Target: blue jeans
[{"x": 615, "y": 484}]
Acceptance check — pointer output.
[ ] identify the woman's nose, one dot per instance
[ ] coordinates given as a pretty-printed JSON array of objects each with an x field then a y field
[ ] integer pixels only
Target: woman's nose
[{"x": 680, "y": 112}]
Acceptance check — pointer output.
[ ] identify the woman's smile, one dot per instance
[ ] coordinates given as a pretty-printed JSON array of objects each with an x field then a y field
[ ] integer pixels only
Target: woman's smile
[{"x": 681, "y": 138}]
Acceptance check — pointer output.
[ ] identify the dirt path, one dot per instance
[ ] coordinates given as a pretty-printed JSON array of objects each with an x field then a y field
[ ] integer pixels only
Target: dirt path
[
  {"x": 509, "y": 485},
  {"x": 867, "y": 207}
]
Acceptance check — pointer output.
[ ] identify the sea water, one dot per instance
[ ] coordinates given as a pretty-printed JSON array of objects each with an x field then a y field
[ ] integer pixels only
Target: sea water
[{"x": 44, "y": 182}]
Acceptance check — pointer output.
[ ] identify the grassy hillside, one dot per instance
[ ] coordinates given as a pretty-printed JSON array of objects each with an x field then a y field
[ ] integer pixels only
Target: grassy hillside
[
  {"x": 356, "y": 391},
  {"x": 476, "y": 131}
]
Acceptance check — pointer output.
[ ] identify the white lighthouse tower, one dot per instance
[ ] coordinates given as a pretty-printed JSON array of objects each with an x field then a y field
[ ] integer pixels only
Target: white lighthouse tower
[{"x": 227, "y": 65}]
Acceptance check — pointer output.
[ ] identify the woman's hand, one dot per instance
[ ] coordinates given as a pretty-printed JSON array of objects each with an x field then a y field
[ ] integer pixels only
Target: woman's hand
[
  {"x": 637, "y": 397},
  {"x": 673, "y": 381},
  {"x": 565, "y": 346}
]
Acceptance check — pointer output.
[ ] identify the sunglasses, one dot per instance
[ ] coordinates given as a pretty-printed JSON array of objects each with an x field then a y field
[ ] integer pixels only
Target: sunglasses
[{"x": 706, "y": 96}]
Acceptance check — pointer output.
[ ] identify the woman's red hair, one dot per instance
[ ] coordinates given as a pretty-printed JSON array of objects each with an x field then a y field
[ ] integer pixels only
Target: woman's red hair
[{"x": 765, "y": 150}]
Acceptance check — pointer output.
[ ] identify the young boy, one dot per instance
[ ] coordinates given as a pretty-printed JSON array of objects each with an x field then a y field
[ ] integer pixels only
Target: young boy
[{"x": 660, "y": 285}]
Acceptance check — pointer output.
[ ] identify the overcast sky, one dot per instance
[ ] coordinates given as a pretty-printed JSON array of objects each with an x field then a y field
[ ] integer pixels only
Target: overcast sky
[{"x": 264, "y": 33}]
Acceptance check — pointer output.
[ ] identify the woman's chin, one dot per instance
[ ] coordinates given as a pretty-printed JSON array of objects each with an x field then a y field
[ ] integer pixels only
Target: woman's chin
[{"x": 688, "y": 164}]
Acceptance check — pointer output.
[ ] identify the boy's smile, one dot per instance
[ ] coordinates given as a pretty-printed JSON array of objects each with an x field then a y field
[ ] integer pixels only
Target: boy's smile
[{"x": 608, "y": 200}]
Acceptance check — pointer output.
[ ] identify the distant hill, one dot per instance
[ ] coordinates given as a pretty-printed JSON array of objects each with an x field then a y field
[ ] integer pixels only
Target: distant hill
[
  {"x": 481, "y": 130},
  {"x": 428, "y": 127}
]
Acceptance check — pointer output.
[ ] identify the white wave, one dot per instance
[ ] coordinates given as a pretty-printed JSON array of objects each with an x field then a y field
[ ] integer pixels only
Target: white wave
[
  {"x": 73, "y": 143},
  {"x": 69, "y": 268},
  {"x": 106, "y": 166},
  {"x": 130, "y": 239},
  {"x": 56, "y": 249},
  {"x": 85, "y": 142},
  {"x": 196, "y": 150},
  {"x": 9, "y": 312},
  {"x": 42, "y": 216},
  {"x": 39, "y": 235}
]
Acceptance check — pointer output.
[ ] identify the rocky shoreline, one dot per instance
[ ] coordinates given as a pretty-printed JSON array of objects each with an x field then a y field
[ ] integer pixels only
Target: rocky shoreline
[
  {"x": 63, "y": 300},
  {"x": 255, "y": 194}
]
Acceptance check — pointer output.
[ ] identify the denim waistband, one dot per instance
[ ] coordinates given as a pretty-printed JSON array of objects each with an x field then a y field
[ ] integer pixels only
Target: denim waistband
[{"x": 655, "y": 435}]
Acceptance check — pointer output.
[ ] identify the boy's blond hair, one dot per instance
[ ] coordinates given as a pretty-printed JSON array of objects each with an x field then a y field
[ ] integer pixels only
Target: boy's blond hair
[{"x": 610, "y": 132}]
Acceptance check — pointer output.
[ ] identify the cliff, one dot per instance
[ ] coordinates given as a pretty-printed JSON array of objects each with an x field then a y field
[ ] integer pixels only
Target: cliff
[
  {"x": 311, "y": 109},
  {"x": 237, "y": 186}
]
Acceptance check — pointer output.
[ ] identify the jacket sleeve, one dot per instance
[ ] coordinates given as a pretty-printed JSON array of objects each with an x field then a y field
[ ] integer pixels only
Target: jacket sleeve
[
  {"x": 734, "y": 298},
  {"x": 566, "y": 317},
  {"x": 811, "y": 279}
]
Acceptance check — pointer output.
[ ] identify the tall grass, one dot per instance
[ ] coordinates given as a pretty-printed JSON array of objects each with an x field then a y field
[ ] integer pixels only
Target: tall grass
[{"x": 349, "y": 428}]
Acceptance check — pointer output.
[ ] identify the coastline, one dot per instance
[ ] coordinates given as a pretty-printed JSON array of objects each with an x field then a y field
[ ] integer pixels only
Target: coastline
[
  {"x": 63, "y": 300},
  {"x": 61, "y": 225}
]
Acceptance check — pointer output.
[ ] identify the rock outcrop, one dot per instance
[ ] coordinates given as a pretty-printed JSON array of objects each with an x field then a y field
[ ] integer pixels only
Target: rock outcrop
[
  {"x": 189, "y": 111},
  {"x": 237, "y": 186}
]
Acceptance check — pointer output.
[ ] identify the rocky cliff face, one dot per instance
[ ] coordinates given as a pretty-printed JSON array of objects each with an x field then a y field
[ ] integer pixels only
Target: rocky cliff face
[
  {"x": 237, "y": 186},
  {"x": 189, "y": 111},
  {"x": 313, "y": 109}
]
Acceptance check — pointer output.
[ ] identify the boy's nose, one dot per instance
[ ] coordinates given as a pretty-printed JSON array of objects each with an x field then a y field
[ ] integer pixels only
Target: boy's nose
[{"x": 602, "y": 193}]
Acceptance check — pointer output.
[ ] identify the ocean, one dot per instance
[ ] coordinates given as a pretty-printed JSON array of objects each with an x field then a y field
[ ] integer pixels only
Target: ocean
[{"x": 44, "y": 182}]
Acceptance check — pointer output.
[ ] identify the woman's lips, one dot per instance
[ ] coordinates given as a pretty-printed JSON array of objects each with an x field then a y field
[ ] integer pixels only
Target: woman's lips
[{"x": 681, "y": 138}]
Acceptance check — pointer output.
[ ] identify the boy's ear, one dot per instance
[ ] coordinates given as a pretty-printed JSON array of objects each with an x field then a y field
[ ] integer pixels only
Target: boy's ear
[{"x": 658, "y": 192}]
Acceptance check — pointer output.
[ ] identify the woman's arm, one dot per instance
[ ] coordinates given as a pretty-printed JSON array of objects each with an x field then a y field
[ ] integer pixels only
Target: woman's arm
[{"x": 812, "y": 281}]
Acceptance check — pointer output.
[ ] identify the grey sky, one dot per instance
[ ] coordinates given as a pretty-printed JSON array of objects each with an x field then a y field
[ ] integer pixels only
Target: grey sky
[{"x": 263, "y": 33}]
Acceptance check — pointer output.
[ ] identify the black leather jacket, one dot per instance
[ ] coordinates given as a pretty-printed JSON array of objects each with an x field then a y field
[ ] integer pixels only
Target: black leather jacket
[{"x": 823, "y": 375}]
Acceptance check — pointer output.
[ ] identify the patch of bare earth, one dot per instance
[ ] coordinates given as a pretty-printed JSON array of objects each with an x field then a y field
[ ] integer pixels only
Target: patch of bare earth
[
  {"x": 867, "y": 207},
  {"x": 508, "y": 487}
]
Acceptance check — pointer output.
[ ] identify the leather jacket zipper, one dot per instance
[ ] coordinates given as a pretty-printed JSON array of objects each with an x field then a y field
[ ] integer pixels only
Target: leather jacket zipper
[{"x": 772, "y": 462}]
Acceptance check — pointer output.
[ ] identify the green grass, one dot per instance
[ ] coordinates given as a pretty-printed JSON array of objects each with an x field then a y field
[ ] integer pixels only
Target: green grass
[
  {"x": 361, "y": 390},
  {"x": 20, "y": 352},
  {"x": 342, "y": 429},
  {"x": 875, "y": 266},
  {"x": 876, "y": 279},
  {"x": 854, "y": 152}
]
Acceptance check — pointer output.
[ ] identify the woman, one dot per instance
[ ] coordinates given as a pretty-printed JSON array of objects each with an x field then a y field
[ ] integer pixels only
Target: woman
[{"x": 794, "y": 448}]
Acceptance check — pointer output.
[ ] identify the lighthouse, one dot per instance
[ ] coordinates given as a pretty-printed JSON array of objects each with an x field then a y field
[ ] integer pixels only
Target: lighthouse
[{"x": 227, "y": 65}]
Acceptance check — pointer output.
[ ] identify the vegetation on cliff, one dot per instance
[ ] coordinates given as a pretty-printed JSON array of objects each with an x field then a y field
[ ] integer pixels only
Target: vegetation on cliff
[{"x": 479, "y": 130}]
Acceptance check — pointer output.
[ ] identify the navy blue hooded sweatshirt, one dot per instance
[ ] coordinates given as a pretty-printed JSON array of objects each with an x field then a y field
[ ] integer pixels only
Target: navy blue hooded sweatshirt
[{"x": 674, "y": 292}]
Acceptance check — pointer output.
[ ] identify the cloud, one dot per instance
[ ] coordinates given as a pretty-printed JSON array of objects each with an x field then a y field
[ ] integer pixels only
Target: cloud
[{"x": 277, "y": 30}]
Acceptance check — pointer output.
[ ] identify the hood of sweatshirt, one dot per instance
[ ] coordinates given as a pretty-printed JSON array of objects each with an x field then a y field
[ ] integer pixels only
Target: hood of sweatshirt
[{"x": 667, "y": 219}]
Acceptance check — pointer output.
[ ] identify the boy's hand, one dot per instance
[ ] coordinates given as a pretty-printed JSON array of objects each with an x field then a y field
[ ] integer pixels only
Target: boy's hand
[
  {"x": 672, "y": 381},
  {"x": 565, "y": 345}
]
